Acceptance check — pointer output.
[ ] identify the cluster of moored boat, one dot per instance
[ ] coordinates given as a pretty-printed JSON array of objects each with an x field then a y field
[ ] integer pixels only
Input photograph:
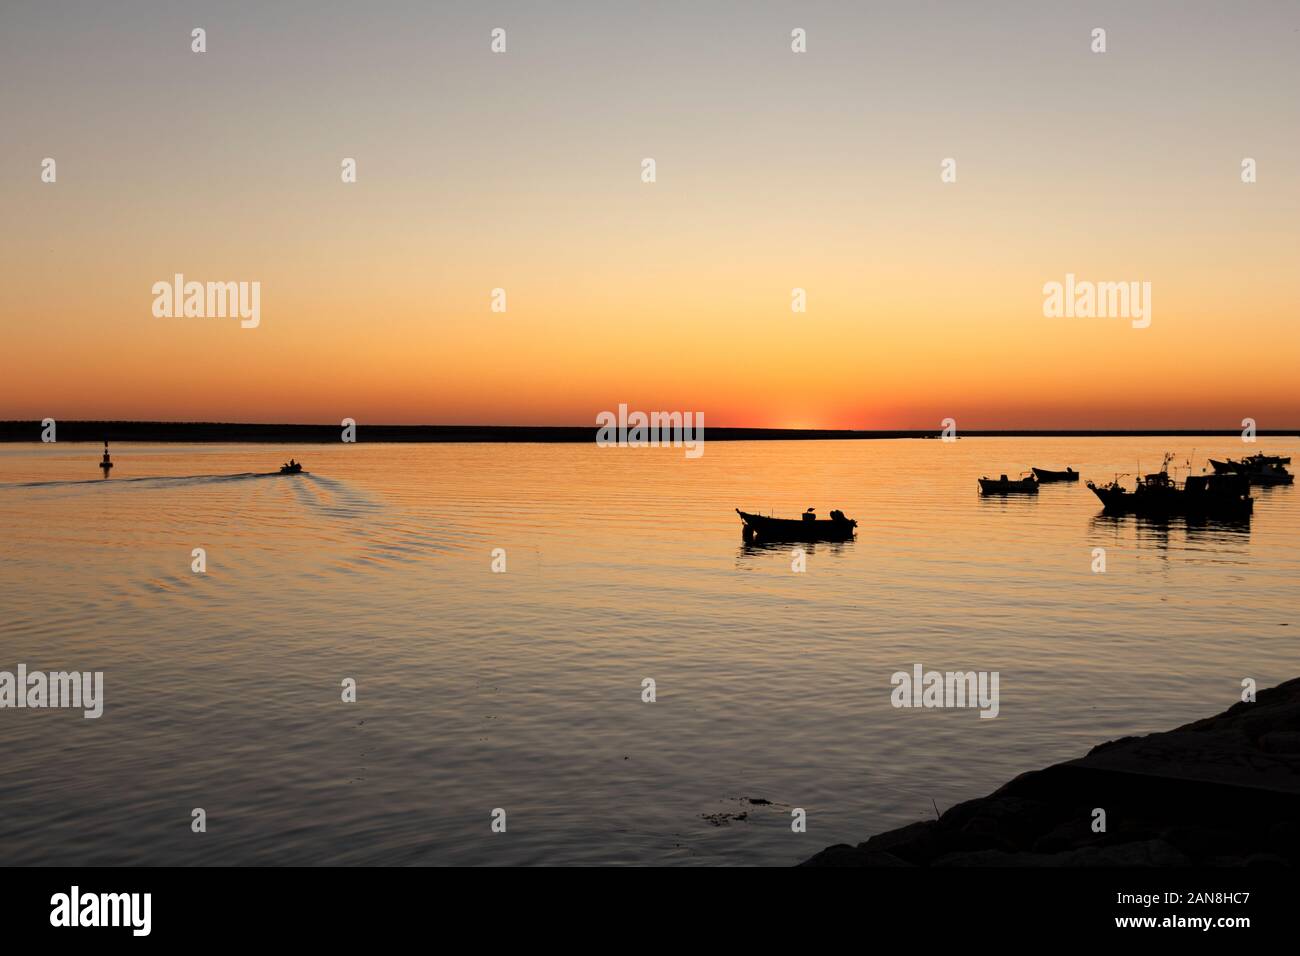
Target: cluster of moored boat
[
  {"x": 1027, "y": 484},
  {"x": 1225, "y": 493}
]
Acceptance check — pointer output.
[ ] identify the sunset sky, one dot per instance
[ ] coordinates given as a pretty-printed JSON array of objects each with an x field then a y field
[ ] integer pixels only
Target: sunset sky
[{"x": 775, "y": 170}]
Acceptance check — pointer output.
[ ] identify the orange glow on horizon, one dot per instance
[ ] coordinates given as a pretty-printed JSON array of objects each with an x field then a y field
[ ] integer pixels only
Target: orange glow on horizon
[{"x": 924, "y": 299}]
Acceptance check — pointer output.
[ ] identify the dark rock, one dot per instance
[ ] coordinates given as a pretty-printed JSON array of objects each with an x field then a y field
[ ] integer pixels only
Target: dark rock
[
  {"x": 1142, "y": 853},
  {"x": 1280, "y": 742},
  {"x": 844, "y": 855},
  {"x": 1203, "y": 842},
  {"x": 1222, "y": 791}
]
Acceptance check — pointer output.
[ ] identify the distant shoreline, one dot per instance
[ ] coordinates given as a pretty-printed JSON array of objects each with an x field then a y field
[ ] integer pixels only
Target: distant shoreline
[{"x": 96, "y": 431}]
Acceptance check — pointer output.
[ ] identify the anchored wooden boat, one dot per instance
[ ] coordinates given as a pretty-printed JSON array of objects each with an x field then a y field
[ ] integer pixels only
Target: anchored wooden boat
[
  {"x": 1260, "y": 469},
  {"x": 807, "y": 528},
  {"x": 1158, "y": 495},
  {"x": 1009, "y": 486},
  {"x": 1044, "y": 474},
  {"x": 1249, "y": 462}
]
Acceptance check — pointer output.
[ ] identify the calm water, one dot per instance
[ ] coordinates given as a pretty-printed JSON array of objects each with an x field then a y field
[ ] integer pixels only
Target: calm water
[{"x": 522, "y": 690}]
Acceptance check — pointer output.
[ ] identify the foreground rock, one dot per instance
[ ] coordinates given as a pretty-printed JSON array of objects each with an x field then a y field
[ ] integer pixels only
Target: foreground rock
[{"x": 1224, "y": 791}]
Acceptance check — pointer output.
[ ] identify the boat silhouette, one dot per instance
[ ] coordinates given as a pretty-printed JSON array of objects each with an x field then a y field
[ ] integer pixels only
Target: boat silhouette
[
  {"x": 1009, "y": 486},
  {"x": 1251, "y": 461},
  {"x": 806, "y": 528},
  {"x": 1046, "y": 475},
  {"x": 1260, "y": 469},
  {"x": 1159, "y": 495}
]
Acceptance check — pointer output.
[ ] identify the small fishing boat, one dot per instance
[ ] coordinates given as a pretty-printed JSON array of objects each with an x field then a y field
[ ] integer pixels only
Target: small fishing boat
[
  {"x": 1009, "y": 486},
  {"x": 1044, "y": 474},
  {"x": 1260, "y": 469},
  {"x": 1158, "y": 495},
  {"x": 806, "y": 528},
  {"x": 291, "y": 468},
  {"x": 1250, "y": 462}
]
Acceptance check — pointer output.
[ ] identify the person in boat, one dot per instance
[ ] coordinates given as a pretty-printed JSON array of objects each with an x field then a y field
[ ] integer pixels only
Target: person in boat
[
  {"x": 810, "y": 514},
  {"x": 838, "y": 515}
]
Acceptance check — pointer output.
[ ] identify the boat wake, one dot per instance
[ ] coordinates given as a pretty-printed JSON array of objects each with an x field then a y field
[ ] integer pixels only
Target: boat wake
[
  {"x": 372, "y": 533},
  {"x": 160, "y": 481}
]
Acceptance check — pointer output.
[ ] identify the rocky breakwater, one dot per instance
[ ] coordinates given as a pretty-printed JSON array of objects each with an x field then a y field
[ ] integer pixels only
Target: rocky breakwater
[{"x": 1223, "y": 791}]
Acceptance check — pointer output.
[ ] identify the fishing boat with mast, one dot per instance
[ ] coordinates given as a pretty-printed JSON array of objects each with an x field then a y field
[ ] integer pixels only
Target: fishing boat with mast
[{"x": 1159, "y": 495}]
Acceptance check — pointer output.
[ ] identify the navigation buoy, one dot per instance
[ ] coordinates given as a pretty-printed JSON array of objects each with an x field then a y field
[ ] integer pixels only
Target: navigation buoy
[{"x": 106, "y": 463}]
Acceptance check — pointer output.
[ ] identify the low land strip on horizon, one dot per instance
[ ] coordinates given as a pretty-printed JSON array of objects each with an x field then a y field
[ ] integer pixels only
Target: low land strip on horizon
[{"x": 96, "y": 431}]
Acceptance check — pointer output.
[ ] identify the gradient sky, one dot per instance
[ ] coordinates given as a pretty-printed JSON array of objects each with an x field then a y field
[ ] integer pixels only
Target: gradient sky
[{"x": 775, "y": 170}]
